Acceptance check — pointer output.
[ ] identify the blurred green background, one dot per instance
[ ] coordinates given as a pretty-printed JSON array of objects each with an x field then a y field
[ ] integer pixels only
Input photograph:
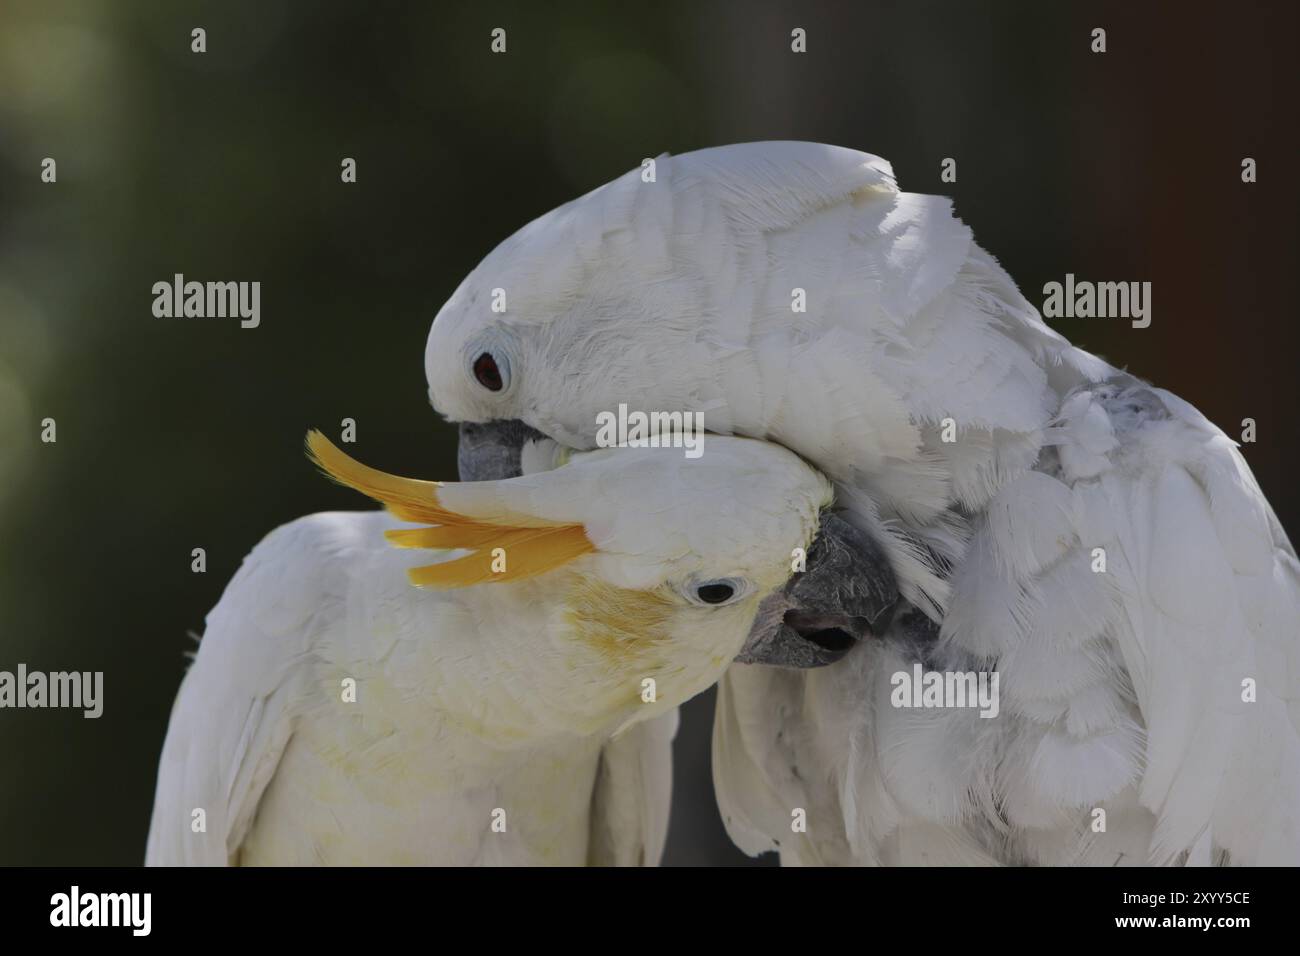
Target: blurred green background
[{"x": 176, "y": 434}]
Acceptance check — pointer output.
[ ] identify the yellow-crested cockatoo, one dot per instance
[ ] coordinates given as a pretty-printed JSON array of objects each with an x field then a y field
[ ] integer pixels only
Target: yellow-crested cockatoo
[
  {"x": 515, "y": 706},
  {"x": 1092, "y": 540}
]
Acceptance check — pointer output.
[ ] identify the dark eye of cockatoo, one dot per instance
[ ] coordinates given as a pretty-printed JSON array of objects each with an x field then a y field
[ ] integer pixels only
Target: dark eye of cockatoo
[
  {"x": 715, "y": 592},
  {"x": 488, "y": 373}
]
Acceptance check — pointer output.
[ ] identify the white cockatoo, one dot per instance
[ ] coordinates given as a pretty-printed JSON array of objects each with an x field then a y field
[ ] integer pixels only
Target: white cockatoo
[
  {"x": 1091, "y": 540},
  {"x": 516, "y": 707}
]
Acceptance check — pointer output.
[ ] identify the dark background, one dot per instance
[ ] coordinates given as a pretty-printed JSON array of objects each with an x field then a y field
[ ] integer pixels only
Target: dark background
[{"x": 175, "y": 434}]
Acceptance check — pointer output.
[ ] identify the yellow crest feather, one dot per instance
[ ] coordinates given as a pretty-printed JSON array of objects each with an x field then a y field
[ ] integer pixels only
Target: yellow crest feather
[{"x": 529, "y": 545}]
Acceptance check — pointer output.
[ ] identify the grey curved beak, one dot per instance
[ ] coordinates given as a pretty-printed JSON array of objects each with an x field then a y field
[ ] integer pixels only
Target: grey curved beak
[
  {"x": 491, "y": 451},
  {"x": 847, "y": 593}
]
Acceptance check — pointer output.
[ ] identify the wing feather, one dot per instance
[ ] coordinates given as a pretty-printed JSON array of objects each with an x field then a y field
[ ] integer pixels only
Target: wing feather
[
  {"x": 633, "y": 794},
  {"x": 233, "y": 715}
]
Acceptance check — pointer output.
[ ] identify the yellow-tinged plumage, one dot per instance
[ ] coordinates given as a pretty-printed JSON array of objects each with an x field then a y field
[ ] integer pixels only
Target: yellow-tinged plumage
[
  {"x": 505, "y": 548},
  {"x": 540, "y": 551},
  {"x": 622, "y": 624},
  {"x": 436, "y": 538}
]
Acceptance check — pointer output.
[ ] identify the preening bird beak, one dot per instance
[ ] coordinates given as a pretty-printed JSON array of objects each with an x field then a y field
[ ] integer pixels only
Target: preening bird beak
[
  {"x": 847, "y": 593},
  {"x": 491, "y": 451}
]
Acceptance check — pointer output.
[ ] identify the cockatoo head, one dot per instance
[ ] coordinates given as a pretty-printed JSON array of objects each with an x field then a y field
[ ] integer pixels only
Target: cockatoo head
[
  {"x": 638, "y": 292},
  {"x": 647, "y": 293},
  {"x": 645, "y": 562}
]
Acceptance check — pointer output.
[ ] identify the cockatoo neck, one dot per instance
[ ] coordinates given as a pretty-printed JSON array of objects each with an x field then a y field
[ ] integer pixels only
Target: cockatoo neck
[{"x": 601, "y": 659}]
